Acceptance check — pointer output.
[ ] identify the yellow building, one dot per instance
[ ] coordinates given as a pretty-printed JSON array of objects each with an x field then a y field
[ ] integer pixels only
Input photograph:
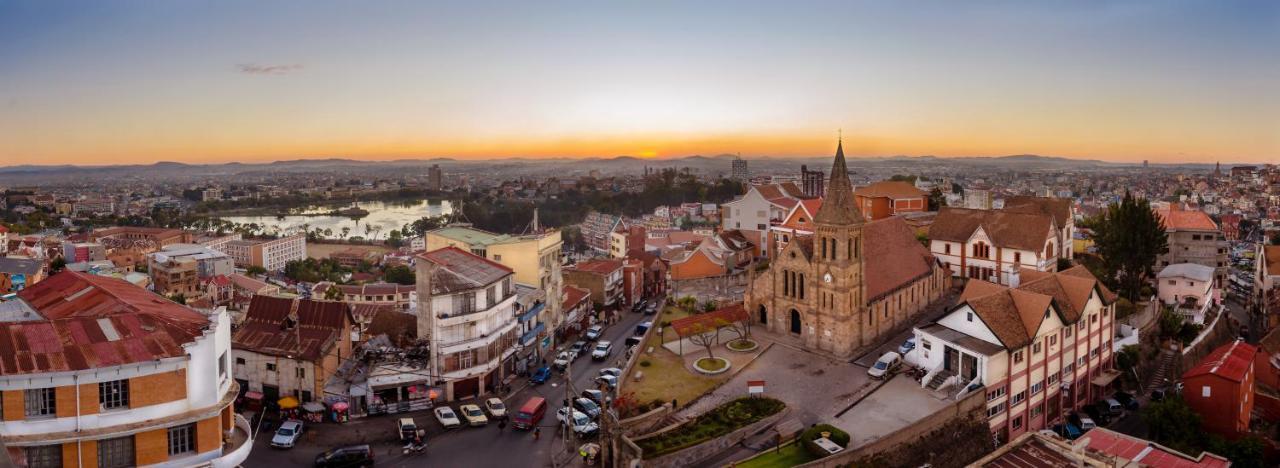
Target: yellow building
[{"x": 535, "y": 258}]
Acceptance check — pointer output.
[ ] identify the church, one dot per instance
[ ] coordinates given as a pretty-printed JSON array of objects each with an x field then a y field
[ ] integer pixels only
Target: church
[{"x": 850, "y": 284}]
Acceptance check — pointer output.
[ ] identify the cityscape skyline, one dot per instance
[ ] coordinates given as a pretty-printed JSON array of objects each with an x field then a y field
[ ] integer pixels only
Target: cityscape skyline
[{"x": 88, "y": 84}]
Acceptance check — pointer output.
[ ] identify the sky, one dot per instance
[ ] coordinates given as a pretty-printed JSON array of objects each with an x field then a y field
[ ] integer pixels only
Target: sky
[{"x": 120, "y": 82}]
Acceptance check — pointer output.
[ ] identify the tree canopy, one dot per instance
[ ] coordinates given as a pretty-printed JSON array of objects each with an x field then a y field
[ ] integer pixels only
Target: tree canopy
[{"x": 1130, "y": 237}]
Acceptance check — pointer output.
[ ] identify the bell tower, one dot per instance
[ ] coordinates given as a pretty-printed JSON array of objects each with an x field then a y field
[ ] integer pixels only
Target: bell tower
[{"x": 838, "y": 260}]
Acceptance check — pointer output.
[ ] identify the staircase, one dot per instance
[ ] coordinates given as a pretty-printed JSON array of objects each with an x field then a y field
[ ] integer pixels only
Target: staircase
[
  {"x": 1163, "y": 369},
  {"x": 939, "y": 378}
]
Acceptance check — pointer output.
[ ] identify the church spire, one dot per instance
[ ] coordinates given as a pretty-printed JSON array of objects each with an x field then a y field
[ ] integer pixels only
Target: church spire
[{"x": 839, "y": 206}]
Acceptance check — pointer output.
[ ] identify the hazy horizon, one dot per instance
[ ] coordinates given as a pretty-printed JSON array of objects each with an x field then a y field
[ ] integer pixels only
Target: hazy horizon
[{"x": 92, "y": 83}]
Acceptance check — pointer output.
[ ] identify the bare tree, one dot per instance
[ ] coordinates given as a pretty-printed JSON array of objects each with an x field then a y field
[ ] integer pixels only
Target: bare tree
[
  {"x": 741, "y": 329},
  {"x": 703, "y": 336}
]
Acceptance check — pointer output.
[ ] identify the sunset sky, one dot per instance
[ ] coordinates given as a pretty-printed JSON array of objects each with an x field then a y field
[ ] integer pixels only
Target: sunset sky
[{"x": 119, "y": 82}]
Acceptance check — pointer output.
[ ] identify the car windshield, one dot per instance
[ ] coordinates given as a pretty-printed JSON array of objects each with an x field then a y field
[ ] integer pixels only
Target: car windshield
[
  {"x": 586, "y": 404},
  {"x": 474, "y": 412},
  {"x": 580, "y": 419},
  {"x": 496, "y": 405},
  {"x": 446, "y": 413},
  {"x": 602, "y": 347},
  {"x": 284, "y": 431},
  {"x": 881, "y": 365}
]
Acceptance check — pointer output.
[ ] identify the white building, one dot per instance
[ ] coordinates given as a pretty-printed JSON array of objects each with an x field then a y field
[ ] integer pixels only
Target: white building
[
  {"x": 104, "y": 373},
  {"x": 271, "y": 254},
  {"x": 762, "y": 205},
  {"x": 994, "y": 245},
  {"x": 1189, "y": 289},
  {"x": 1039, "y": 351},
  {"x": 466, "y": 308}
]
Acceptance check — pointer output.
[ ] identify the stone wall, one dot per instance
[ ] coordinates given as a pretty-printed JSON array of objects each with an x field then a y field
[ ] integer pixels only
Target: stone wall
[
  {"x": 646, "y": 422},
  {"x": 1221, "y": 331},
  {"x": 692, "y": 455},
  {"x": 972, "y": 406},
  {"x": 636, "y": 356}
]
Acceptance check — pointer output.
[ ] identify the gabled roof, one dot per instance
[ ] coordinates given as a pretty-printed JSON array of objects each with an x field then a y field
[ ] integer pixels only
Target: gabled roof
[
  {"x": 1013, "y": 316},
  {"x": 893, "y": 189},
  {"x": 574, "y": 295},
  {"x": 709, "y": 321},
  {"x": 1231, "y": 361},
  {"x": 1023, "y": 231},
  {"x": 1145, "y": 453},
  {"x": 266, "y": 328},
  {"x": 1059, "y": 208},
  {"x": 893, "y": 256},
  {"x": 805, "y": 209},
  {"x": 602, "y": 266},
  {"x": 1069, "y": 291},
  {"x": 89, "y": 321},
  {"x": 459, "y": 270},
  {"x": 1184, "y": 220}
]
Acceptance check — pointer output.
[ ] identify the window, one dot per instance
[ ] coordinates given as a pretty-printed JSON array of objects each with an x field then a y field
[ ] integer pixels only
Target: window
[
  {"x": 1017, "y": 357},
  {"x": 1066, "y": 332},
  {"x": 222, "y": 365},
  {"x": 1037, "y": 387},
  {"x": 116, "y": 453},
  {"x": 40, "y": 402},
  {"x": 969, "y": 316},
  {"x": 926, "y": 344},
  {"x": 1066, "y": 370},
  {"x": 1018, "y": 397},
  {"x": 1037, "y": 410},
  {"x": 497, "y": 258},
  {"x": 44, "y": 456},
  {"x": 1080, "y": 361},
  {"x": 113, "y": 394},
  {"x": 182, "y": 439},
  {"x": 302, "y": 372},
  {"x": 1093, "y": 318},
  {"x": 995, "y": 410},
  {"x": 1093, "y": 353},
  {"x": 1017, "y": 422},
  {"x": 997, "y": 393},
  {"x": 1173, "y": 283},
  {"x": 1053, "y": 378},
  {"x": 491, "y": 296},
  {"x": 271, "y": 367},
  {"x": 239, "y": 360},
  {"x": 946, "y": 248},
  {"x": 1035, "y": 348},
  {"x": 1053, "y": 340},
  {"x": 1205, "y": 391},
  {"x": 1017, "y": 257}
]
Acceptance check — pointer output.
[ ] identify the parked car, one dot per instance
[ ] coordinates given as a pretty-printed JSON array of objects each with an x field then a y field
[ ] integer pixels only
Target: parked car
[
  {"x": 473, "y": 414},
  {"x": 346, "y": 457},
  {"x": 885, "y": 365},
  {"x": 614, "y": 371},
  {"x": 447, "y": 417},
  {"x": 496, "y": 408},
  {"x": 287, "y": 434},
  {"x": 651, "y": 309},
  {"x": 1113, "y": 406},
  {"x": 643, "y": 327},
  {"x": 587, "y": 406},
  {"x": 602, "y": 351},
  {"x": 1098, "y": 413},
  {"x": 407, "y": 429},
  {"x": 631, "y": 341},
  {"x": 530, "y": 413},
  {"x": 578, "y": 349},
  {"x": 639, "y": 306},
  {"x": 1068, "y": 431},
  {"x": 1129, "y": 402},
  {"x": 611, "y": 382},
  {"x": 542, "y": 375},
  {"x": 594, "y": 395},
  {"x": 562, "y": 360},
  {"x": 594, "y": 332},
  {"x": 576, "y": 420},
  {"x": 907, "y": 346}
]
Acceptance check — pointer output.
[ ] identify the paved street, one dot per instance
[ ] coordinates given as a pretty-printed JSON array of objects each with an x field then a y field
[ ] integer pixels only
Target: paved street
[{"x": 486, "y": 446}]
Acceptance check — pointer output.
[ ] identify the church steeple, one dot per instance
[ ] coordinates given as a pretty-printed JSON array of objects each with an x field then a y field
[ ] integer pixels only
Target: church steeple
[{"x": 839, "y": 207}]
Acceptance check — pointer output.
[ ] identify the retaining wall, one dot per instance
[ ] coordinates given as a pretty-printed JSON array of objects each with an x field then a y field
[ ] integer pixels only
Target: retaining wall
[
  {"x": 691, "y": 455},
  {"x": 971, "y": 406}
]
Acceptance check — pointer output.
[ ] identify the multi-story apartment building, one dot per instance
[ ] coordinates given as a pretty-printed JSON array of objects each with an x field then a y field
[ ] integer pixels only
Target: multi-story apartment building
[
  {"x": 1039, "y": 350},
  {"x": 797, "y": 223},
  {"x": 180, "y": 268},
  {"x": 398, "y": 295},
  {"x": 1063, "y": 213},
  {"x": 144, "y": 239},
  {"x": 435, "y": 178},
  {"x": 535, "y": 259},
  {"x": 466, "y": 309},
  {"x": 215, "y": 241},
  {"x": 623, "y": 241},
  {"x": 93, "y": 206},
  {"x": 890, "y": 197},
  {"x": 603, "y": 277},
  {"x": 994, "y": 245},
  {"x": 1194, "y": 238},
  {"x": 597, "y": 229},
  {"x": 271, "y": 254},
  {"x": 287, "y": 346},
  {"x": 761, "y": 206},
  {"x": 97, "y": 372},
  {"x": 1266, "y": 282},
  {"x": 740, "y": 171}
]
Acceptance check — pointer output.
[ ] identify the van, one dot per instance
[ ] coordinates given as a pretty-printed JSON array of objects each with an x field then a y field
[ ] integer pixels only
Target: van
[
  {"x": 530, "y": 413},
  {"x": 1113, "y": 406}
]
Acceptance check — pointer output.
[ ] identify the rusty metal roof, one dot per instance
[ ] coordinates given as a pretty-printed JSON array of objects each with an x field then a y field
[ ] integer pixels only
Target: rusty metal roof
[
  {"x": 269, "y": 327},
  {"x": 460, "y": 270},
  {"x": 91, "y": 321}
]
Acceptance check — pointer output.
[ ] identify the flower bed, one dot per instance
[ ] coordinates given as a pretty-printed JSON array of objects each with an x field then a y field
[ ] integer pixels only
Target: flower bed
[
  {"x": 742, "y": 346},
  {"x": 711, "y": 366},
  {"x": 722, "y": 420}
]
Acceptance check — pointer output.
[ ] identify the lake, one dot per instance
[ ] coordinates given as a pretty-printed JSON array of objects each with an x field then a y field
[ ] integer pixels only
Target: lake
[{"x": 387, "y": 215}]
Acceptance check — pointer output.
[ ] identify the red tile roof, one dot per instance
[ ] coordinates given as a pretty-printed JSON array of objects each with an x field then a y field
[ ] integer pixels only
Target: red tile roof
[
  {"x": 706, "y": 322},
  {"x": 894, "y": 258},
  {"x": 1145, "y": 452},
  {"x": 574, "y": 295},
  {"x": 1183, "y": 220},
  {"x": 600, "y": 267},
  {"x": 1024, "y": 231},
  {"x": 1231, "y": 361},
  {"x": 894, "y": 189},
  {"x": 92, "y": 321},
  {"x": 319, "y": 327}
]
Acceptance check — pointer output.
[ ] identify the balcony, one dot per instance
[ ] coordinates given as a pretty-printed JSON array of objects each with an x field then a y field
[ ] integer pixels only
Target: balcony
[{"x": 238, "y": 445}]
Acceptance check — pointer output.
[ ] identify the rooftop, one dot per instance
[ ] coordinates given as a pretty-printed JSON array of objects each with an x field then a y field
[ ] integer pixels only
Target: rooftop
[
  {"x": 1231, "y": 361},
  {"x": 1187, "y": 270},
  {"x": 889, "y": 189},
  {"x": 1024, "y": 231},
  {"x": 1175, "y": 219},
  {"x": 459, "y": 270},
  {"x": 267, "y": 327}
]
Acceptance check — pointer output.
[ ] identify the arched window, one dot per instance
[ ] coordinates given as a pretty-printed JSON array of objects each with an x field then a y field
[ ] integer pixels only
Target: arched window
[
  {"x": 795, "y": 321},
  {"x": 764, "y": 315}
]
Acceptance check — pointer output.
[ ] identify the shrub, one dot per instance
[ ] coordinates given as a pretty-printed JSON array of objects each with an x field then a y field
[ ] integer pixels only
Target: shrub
[
  {"x": 838, "y": 436},
  {"x": 645, "y": 363},
  {"x": 715, "y": 423}
]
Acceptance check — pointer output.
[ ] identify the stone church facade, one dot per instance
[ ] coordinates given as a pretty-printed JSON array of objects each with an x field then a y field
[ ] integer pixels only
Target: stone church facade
[{"x": 850, "y": 284}]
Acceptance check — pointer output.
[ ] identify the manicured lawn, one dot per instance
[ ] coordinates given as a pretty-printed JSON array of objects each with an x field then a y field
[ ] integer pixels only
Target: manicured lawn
[
  {"x": 710, "y": 365},
  {"x": 790, "y": 455},
  {"x": 722, "y": 420},
  {"x": 666, "y": 378}
]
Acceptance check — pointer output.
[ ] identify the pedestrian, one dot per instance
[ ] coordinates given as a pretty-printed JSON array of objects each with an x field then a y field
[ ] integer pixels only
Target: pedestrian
[
  {"x": 502, "y": 424},
  {"x": 674, "y": 404},
  {"x": 537, "y": 432}
]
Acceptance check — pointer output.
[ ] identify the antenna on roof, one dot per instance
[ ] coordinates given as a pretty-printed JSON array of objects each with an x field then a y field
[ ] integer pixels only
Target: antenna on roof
[{"x": 534, "y": 227}]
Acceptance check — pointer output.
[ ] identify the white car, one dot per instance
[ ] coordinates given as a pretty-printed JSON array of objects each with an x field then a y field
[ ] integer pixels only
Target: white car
[
  {"x": 610, "y": 381},
  {"x": 287, "y": 434},
  {"x": 562, "y": 360},
  {"x": 602, "y": 351},
  {"x": 580, "y": 422},
  {"x": 495, "y": 407},
  {"x": 447, "y": 417},
  {"x": 884, "y": 365},
  {"x": 473, "y": 413},
  {"x": 614, "y": 371},
  {"x": 594, "y": 332}
]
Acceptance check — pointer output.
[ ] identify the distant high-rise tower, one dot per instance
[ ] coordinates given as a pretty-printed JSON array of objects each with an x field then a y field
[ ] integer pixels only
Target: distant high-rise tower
[
  {"x": 435, "y": 178},
  {"x": 812, "y": 182},
  {"x": 740, "y": 171},
  {"x": 1144, "y": 164},
  {"x": 1217, "y": 170}
]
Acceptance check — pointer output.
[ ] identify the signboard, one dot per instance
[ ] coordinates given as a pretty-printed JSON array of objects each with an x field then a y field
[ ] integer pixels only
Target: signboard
[{"x": 755, "y": 387}]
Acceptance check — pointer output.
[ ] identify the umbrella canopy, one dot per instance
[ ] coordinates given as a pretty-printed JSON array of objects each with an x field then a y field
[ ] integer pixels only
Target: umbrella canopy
[
  {"x": 288, "y": 402},
  {"x": 340, "y": 406},
  {"x": 253, "y": 395},
  {"x": 313, "y": 407}
]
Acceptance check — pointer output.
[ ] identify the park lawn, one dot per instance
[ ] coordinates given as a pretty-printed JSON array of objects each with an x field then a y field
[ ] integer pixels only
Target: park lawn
[
  {"x": 671, "y": 314},
  {"x": 666, "y": 378},
  {"x": 790, "y": 455}
]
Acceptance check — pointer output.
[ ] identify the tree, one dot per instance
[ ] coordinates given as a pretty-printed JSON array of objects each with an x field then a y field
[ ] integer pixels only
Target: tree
[
  {"x": 57, "y": 265},
  {"x": 709, "y": 306},
  {"x": 688, "y": 303},
  {"x": 400, "y": 274},
  {"x": 254, "y": 270},
  {"x": 936, "y": 199},
  {"x": 395, "y": 238},
  {"x": 1275, "y": 239},
  {"x": 333, "y": 293},
  {"x": 1130, "y": 237},
  {"x": 703, "y": 336},
  {"x": 345, "y": 231},
  {"x": 1174, "y": 424},
  {"x": 741, "y": 329}
]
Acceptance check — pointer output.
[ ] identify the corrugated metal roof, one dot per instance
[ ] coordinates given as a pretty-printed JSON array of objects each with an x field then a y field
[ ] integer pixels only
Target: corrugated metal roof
[
  {"x": 266, "y": 327},
  {"x": 460, "y": 270}
]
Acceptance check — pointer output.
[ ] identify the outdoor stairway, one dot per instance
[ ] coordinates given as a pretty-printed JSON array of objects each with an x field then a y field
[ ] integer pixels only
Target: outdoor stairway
[
  {"x": 939, "y": 378},
  {"x": 1163, "y": 369}
]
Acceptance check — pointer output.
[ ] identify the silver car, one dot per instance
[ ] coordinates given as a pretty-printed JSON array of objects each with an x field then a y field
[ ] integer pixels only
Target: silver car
[{"x": 287, "y": 434}]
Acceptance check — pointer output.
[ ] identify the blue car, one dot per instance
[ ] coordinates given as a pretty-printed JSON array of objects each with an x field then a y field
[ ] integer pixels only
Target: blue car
[{"x": 541, "y": 375}]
